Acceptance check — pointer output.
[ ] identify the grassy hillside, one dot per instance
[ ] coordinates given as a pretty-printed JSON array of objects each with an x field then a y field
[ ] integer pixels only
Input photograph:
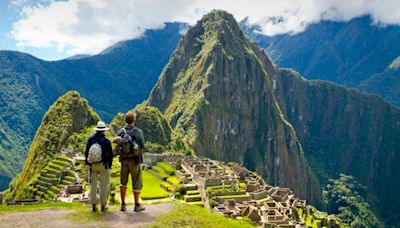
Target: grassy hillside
[{"x": 69, "y": 114}]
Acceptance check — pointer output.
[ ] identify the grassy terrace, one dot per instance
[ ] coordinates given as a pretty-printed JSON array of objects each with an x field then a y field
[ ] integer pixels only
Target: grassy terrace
[
  {"x": 174, "y": 180},
  {"x": 47, "y": 185},
  {"x": 166, "y": 166},
  {"x": 309, "y": 220},
  {"x": 160, "y": 171},
  {"x": 151, "y": 185}
]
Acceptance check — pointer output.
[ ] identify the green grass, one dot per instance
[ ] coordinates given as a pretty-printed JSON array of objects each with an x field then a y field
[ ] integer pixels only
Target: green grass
[
  {"x": 264, "y": 199},
  {"x": 232, "y": 196},
  {"x": 40, "y": 206},
  {"x": 160, "y": 171},
  {"x": 193, "y": 192},
  {"x": 175, "y": 180},
  {"x": 185, "y": 215},
  {"x": 166, "y": 166},
  {"x": 311, "y": 224},
  {"x": 151, "y": 186}
]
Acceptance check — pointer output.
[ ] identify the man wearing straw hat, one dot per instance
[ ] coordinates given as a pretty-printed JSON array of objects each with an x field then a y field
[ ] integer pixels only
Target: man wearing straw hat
[{"x": 99, "y": 156}]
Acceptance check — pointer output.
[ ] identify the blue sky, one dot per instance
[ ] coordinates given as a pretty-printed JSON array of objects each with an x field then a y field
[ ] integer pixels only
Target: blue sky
[
  {"x": 10, "y": 13},
  {"x": 56, "y": 29}
]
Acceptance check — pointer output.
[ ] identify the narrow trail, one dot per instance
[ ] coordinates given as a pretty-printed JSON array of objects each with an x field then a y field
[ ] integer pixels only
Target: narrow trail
[{"x": 58, "y": 218}]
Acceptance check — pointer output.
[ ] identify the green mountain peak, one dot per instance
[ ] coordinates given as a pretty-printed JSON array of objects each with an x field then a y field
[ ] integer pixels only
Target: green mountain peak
[
  {"x": 69, "y": 113},
  {"x": 217, "y": 93}
]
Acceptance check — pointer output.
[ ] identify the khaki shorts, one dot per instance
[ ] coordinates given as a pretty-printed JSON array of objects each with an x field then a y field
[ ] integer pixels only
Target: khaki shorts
[{"x": 130, "y": 166}]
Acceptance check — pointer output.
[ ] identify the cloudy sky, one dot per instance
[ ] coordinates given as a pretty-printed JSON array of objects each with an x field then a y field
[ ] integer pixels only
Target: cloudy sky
[{"x": 52, "y": 29}]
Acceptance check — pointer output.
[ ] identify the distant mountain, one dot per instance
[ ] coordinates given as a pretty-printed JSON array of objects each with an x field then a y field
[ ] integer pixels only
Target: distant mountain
[
  {"x": 349, "y": 53},
  {"x": 385, "y": 83},
  {"x": 113, "y": 81},
  {"x": 226, "y": 100}
]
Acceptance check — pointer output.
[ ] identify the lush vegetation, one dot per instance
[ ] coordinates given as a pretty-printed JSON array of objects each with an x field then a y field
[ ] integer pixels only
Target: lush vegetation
[
  {"x": 346, "y": 198},
  {"x": 156, "y": 128},
  {"x": 69, "y": 114},
  {"x": 349, "y": 134},
  {"x": 195, "y": 216}
]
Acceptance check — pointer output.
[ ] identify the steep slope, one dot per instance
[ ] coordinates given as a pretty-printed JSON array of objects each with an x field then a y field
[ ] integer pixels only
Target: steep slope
[
  {"x": 344, "y": 131},
  {"x": 113, "y": 81},
  {"x": 69, "y": 114},
  {"x": 10, "y": 154},
  {"x": 385, "y": 83},
  {"x": 217, "y": 94},
  {"x": 347, "y": 53}
]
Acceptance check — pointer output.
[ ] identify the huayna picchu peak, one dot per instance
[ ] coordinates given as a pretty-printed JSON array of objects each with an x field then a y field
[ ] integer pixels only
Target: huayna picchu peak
[{"x": 217, "y": 94}]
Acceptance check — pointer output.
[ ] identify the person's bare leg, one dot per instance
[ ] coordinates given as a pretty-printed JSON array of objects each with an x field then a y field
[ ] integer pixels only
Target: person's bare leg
[
  {"x": 138, "y": 206},
  {"x": 123, "y": 194},
  {"x": 136, "y": 196}
]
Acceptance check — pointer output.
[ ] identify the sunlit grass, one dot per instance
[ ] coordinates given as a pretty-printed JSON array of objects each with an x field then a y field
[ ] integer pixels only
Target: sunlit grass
[{"x": 185, "y": 215}]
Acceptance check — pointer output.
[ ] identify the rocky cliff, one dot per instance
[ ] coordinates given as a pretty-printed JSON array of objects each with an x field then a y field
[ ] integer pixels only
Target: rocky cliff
[{"x": 345, "y": 131}]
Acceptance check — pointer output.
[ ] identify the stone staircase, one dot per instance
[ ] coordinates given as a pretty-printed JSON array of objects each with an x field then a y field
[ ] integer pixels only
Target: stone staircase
[{"x": 53, "y": 178}]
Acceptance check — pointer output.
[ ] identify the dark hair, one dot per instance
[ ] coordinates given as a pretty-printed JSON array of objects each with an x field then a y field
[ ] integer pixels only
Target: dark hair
[{"x": 130, "y": 117}]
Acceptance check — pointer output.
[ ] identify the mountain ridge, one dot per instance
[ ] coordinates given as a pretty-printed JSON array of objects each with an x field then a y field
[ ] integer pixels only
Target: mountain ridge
[{"x": 354, "y": 53}]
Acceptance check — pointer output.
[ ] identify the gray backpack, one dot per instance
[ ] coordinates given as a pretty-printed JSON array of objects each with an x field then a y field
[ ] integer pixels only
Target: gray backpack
[
  {"x": 95, "y": 153},
  {"x": 129, "y": 142}
]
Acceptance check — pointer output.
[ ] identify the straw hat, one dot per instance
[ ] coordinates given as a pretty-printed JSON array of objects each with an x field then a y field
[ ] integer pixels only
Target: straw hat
[{"x": 101, "y": 126}]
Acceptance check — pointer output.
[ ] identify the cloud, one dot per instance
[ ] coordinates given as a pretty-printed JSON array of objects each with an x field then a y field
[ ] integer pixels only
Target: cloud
[{"x": 88, "y": 26}]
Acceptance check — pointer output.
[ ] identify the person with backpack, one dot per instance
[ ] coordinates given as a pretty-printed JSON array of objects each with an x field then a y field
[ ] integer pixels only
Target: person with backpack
[
  {"x": 130, "y": 156},
  {"x": 99, "y": 156}
]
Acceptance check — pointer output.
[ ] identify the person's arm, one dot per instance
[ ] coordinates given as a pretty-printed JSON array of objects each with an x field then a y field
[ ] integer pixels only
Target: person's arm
[
  {"x": 109, "y": 154},
  {"x": 141, "y": 140},
  {"x": 88, "y": 144}
]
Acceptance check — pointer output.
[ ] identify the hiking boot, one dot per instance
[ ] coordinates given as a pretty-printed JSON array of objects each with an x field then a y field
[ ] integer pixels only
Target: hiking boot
[
  {"x": 123, "y": 207},
  {"x": 104, "y": 208},
  {"x": 139, "y": 208},
  {"x": 94, "y": 207}
]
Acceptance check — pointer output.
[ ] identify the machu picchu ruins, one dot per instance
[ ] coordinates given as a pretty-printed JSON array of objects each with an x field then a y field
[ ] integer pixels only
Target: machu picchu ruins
[{"x": 235, "y": 192}]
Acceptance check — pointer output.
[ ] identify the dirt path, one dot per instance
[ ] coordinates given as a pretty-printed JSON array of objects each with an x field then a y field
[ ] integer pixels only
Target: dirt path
[{"x": 58, "y": 218}]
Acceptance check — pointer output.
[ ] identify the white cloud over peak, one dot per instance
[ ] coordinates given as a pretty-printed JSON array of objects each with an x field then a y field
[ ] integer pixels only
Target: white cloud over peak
[{"x": 88, "y": 26}]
